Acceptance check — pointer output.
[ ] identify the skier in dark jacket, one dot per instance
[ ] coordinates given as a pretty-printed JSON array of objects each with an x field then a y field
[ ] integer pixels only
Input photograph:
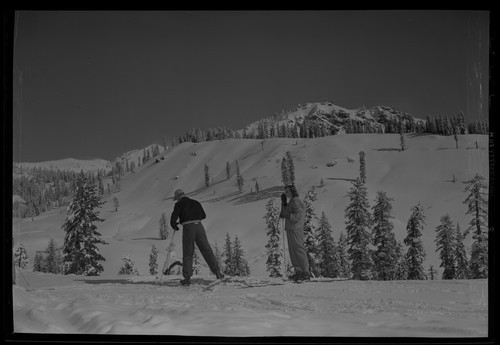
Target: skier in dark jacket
[
  {"x": 190, "y": 214},
  {"x": 294, "y": 213}
]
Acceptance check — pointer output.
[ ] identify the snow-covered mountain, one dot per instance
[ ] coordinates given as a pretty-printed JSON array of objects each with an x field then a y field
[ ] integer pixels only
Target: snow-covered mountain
[{"x": 336, "y": 116}]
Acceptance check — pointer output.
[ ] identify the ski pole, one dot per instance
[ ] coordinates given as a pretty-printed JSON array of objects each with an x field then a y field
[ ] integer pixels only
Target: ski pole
[{"x": 168, "y": 255}]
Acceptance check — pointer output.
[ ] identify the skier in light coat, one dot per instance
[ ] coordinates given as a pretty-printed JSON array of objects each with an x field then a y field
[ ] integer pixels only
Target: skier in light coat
[{"x": 293, "y": 212}]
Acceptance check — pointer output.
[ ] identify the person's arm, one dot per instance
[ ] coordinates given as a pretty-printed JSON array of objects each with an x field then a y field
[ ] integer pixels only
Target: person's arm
[{"x": 175, "y": 216}]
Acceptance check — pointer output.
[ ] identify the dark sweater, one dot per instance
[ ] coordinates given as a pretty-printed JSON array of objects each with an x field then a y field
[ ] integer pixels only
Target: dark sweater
[{"x": 186, "y": 210}]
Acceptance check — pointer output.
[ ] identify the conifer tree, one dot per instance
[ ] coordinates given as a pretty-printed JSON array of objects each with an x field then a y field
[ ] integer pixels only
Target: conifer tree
[
  {"x": 402, "y": 138},
  {"x": 285, "y": 176},
  {"x": 128, "y": 266},
  {"x": 343, "y": 257},
  {"x": 228, "y": 170},
  {"x": 81, "y": 254},
  {"x": 21, "y": 257},
  {"x": 207, "y": 176},
  {"x": 240, "y": 264},
  {"x": 290, "y": 167},
  {"x": 329, "y": 264},
  {"x": 274, "y": 263},
  {"x": 310, "y": 239},
  {"x": 228, "y": 254},
  {"x": 461, "y": 259},
  {"x": 445, "y": 242},
  {"x": 478, "y": 208},
  {"x": 38, "y": 263},
  {"x": 257, "y": 187},
  {"x": 115, "y": 203},
  {"x": 358, "y": 231},
  {"x": 218, "y": 257},
  {"x": 240, "y": 182},
  {"x": 400, "y": 263},
  {"x": 362, "y": 167},
  {"x": 53, "y": 260},
  {"x": 432, "y": 273},
  {"x": 385, "y": 255},
  {"x": 415, "y": 254},
  {"x": 163, "y": 227},
  {"x": 101, "y": 186},
  {"x": 153, "y": 260}
]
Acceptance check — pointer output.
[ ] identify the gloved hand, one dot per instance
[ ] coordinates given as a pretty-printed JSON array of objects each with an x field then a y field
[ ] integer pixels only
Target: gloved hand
[
  {"x": 175, "y": 227},
  {"x": 283, "y": 199}
]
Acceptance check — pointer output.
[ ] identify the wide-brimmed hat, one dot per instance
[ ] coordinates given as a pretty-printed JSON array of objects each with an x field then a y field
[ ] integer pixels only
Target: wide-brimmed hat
[{"x": 179, "y": 193}]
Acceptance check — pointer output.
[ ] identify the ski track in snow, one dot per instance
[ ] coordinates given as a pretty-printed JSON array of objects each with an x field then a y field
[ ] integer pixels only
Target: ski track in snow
[{"x": 339, "y": 308}]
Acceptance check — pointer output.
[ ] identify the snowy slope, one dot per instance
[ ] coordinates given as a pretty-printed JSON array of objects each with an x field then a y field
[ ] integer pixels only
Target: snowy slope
[
  {"x": 423, "y": 173},
  {"x": 55, "y": 304}
]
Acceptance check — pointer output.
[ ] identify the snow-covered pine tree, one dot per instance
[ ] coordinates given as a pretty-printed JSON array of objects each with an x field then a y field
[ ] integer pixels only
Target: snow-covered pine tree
[
  {"x": 362, "y": 167},
  {"x": 257, "y": 187},
  {"x": 402, "y": 138},
  {"x": 478, "y": 208},
  {"x": 445, "y": 242},
  {"x": 21, "y": 257},
  {"x": 218, "y": 257},
  {"x": 384, "y": 239},
  {"x": 240, "y": 264},
  {"x": 461, "y": 259},
  {"x": 343, "y": 257},
  {"x": 329, "y": 263},
  {"x": 163, "y": 227},
  {"x": 101, "y": 186},
  {"x": 274, "y": 263},
  {"x": 400, "y": 263},
  {"x": 432, "y": 274},
  {"x": 38, "y": 263},
  {"x": 239, "y": 179},
  {"x": 415, "y": 255},
  {"x": 128, "y": 267},
  {"x": 53, "y": 260},
  {"x": 153, "y": 260},
  {"x": 358, "y": 231},
  {"x": 207, "y": 176},
  {"x": 115, "y": 203},
  {"x": 81, "y": 254},
  {"x": 290, "y": 167},
  {"x": 228, "y": 254},
  {"x": 228, "y": 170},
  {"x": 310, "y": 238},
  {"x": 285, "y": 176}
]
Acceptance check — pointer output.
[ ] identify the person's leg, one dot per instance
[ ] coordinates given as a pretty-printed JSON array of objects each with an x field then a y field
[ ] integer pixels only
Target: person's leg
[
  {"x": 205, "y": 248},
  {"x": 188, "y": 236},
  {"x": 297, "y": 250}
]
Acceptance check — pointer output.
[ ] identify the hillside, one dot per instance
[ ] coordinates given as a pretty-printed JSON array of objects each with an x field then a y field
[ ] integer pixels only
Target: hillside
[{"x": 423, "y": 173}]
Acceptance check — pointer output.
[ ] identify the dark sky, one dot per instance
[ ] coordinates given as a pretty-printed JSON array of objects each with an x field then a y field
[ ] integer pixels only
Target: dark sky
[{"x": 97, "y": 84}]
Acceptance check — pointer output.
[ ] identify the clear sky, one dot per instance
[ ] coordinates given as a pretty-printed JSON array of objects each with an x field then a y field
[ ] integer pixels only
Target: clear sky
[{"x": 91, "y": 84}]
